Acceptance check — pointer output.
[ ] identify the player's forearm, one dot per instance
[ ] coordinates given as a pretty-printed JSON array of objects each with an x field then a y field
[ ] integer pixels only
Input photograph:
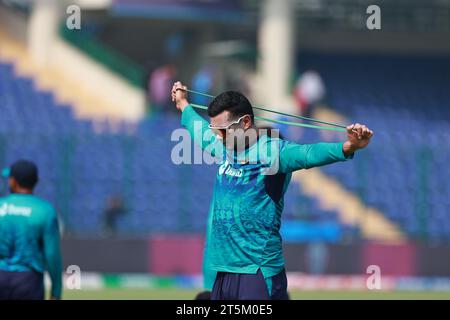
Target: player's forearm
[
  {"x": 55, "y": 272},
  {"x": 323, "y": 153},
  {"x": 197, "y": 127},
  {"x": 348, "y": 149},
  {"x": 53, "y": 259},
  {"x": 56, "y": 291},
  {"x": 295, "y": 157}
]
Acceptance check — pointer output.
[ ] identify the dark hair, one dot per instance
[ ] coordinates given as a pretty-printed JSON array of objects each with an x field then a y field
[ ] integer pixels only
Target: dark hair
[
  {"x": 234, "y": 102},
  {"x": 25, "y": 173}
]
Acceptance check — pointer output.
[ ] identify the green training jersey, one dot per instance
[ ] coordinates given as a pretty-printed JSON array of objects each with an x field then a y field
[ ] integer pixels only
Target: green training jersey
[
  {"x": 245, "y": 214},
  {"x": 29, "y": 237}
]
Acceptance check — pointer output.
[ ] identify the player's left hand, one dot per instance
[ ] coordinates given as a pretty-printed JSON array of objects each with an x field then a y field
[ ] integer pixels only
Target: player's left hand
[
  {"x": 179, "y": 95},
  {"x": 358, "y": 137}
]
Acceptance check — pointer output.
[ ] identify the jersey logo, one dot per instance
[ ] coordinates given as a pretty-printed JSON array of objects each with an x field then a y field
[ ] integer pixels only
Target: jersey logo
[
  {"x": 229, "y": 171},
  {"x": 10, "y": 209}
]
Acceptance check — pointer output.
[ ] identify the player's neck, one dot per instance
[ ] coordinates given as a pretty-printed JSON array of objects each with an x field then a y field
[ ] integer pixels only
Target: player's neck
[{"x": 22, "y": 191}]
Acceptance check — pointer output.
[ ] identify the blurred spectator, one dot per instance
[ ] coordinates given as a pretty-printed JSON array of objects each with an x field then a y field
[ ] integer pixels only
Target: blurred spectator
[
  {"x": 115, "y": 208},
  {"x": 317, "y": 257},
  {"x": 203, "y": 81},
  {"x": 160, "y": 83},
  {"x": 308, "y": 92},
  {"x": 173, "y": 45}
]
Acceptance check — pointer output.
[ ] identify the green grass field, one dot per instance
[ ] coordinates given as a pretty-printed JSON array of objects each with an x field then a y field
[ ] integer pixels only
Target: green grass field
[{"x": 184, "y": 294}]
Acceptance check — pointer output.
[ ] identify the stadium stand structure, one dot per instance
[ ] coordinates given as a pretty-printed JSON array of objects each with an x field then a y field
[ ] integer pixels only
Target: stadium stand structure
[
  {"x": 405, "y": 100},
  {"x": 81, "y": 168},
  {"x": 402, "y": 174}
]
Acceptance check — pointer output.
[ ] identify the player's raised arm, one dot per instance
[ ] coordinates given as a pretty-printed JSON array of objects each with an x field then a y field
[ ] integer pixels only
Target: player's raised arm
[
  {"x": 197, "y": 126},
  {"x": 304, "y": 156}
]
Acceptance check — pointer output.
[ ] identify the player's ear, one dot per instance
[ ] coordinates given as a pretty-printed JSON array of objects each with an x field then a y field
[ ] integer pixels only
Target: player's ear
[
  {"x": 247, "y": 122},
  {"x": 12, "y": 183}
]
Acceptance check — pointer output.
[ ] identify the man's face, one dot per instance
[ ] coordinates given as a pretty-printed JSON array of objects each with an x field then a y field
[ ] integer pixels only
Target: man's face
[{"x": 226, "y": 124}]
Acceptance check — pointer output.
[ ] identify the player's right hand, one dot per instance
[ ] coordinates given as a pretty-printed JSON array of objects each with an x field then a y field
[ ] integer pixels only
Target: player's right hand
[{"x": 179, "y": 95}]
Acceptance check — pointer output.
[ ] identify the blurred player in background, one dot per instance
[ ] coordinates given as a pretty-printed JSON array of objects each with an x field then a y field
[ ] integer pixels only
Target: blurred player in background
[
  {"x": 243, "y": 241},
  {"x": 29, "y": 239},
  {"x": 308, "y": 92}
]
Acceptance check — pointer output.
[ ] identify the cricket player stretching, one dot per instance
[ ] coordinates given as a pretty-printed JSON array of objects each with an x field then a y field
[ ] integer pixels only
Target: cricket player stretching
[{"x": 243, "y": 243}]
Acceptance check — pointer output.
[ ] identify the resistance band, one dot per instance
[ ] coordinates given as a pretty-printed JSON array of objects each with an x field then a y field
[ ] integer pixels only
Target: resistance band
[{"x": 334, "y": 126}]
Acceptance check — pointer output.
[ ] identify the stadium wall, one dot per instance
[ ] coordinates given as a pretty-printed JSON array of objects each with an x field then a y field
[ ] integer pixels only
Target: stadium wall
[
  {"x": 182, "y": 255},
  {"x": 387, "y": 42}
]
